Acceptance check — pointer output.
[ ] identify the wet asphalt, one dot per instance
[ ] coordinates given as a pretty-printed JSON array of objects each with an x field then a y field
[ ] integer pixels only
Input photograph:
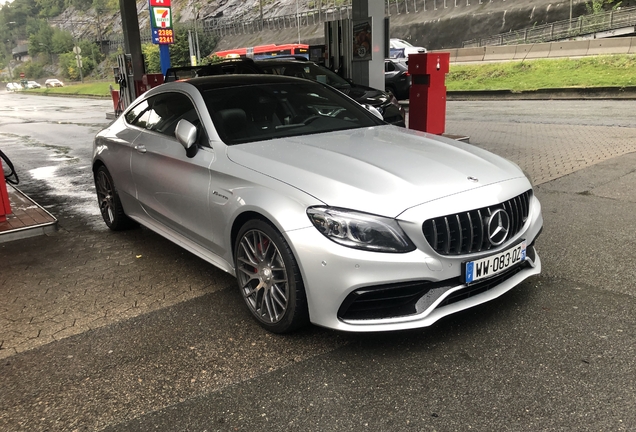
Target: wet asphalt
[{"x": 556, "y": 353}]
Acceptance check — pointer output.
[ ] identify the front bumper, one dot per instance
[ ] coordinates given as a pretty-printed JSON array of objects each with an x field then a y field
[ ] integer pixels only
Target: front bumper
[{"x": 360, "y": 291}]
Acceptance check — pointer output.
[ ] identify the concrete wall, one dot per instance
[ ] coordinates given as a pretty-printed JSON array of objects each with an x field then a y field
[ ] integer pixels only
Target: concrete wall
[
  {"x": 446, "y": 29},
  {"x": 449, "y": 27},
  {"x": 545, "y": 50},
  {"x": 437, "y": 28}
]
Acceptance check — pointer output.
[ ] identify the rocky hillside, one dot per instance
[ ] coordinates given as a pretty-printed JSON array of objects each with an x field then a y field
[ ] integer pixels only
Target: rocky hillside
[{"x": 435, "y": 24}]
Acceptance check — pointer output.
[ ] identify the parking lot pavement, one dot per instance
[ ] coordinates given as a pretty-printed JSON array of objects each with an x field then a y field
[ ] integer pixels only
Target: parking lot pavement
[
  {"x": 549, "y": 151},
  {"x": 80, "y": 279},
  {"x": 127, "y": 331}
]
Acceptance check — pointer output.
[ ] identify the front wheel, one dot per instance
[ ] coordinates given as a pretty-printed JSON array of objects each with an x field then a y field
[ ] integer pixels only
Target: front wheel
[
  {"x": 391, "y": 91},
  {"x": 269, "y": 278},
  {"x": 109, "y": 203}
]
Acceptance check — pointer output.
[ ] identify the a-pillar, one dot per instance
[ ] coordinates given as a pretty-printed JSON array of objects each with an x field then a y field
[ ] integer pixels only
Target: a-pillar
[{"x": 371, "y": 72}]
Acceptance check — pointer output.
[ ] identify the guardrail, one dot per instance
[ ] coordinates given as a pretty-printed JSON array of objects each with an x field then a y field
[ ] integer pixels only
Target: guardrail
[
  {"x": 584, "y": 24},
  {"x": 581, "y": 48}
]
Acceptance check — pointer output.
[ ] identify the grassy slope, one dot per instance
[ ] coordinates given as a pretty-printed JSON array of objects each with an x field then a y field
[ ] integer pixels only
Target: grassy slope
[
  {"x": 600, "y": 71},
  {"x": 612, "y": 71},
  {"x": 85, "y": 89}
]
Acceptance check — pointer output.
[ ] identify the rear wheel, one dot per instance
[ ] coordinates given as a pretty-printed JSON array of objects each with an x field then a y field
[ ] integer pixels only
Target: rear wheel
[
  {"x": 269, "y": 278},
  {"x": 109, "y": 203}
]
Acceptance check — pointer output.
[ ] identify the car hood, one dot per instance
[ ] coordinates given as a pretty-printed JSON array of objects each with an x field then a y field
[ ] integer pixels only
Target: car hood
[
  {"x": 366, "y": 95},
  {"x": 382, "y": 170}
]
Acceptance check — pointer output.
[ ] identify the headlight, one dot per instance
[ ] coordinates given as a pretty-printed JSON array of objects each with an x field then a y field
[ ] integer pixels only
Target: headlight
[{"x": 360, "y": 230}]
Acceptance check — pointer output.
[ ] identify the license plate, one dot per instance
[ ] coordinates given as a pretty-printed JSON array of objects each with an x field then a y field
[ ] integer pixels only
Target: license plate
[{"x": 494, "y": 264}]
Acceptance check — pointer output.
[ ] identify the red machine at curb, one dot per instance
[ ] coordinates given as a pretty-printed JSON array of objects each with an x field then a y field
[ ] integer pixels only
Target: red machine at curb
[
  {"x": 5, "y": 206},
  {"x": 427, "y": 99}
]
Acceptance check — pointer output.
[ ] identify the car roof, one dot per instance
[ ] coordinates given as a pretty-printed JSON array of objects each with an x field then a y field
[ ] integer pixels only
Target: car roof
[
  {"x": 221, "y": 81},
  {"x": 279, "y": 60}
]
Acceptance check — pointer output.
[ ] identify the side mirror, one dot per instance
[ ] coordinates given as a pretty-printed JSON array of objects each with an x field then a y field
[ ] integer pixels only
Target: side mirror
[
  {"x": 186, "y": 134},
  {"x": 373, "y": 111}
]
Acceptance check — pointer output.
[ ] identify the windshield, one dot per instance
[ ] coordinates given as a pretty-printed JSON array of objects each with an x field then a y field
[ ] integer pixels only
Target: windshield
[
  {"x": 307, "y": 70},
  {"x": 399, "y": 43},
  {"x": 259, "y": 112}
]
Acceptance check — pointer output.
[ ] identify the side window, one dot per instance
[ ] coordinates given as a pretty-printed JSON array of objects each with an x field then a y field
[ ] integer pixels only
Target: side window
[
  {"x": 168, "y": 109},
  {"x": 389, "y": 67},
  {"x": 138, "y": 116}
]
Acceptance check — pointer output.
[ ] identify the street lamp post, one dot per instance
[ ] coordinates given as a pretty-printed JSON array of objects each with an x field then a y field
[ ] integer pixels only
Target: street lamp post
[
  {"x": 297, "y": 21},
  {"x": 11, "y": 54}
]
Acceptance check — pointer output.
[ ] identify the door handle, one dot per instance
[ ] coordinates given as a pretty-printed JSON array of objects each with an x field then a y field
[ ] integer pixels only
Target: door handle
[{"x": 140, "y": 148}]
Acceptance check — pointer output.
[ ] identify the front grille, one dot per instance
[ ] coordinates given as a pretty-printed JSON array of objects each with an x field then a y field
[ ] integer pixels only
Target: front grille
[{"x": 465, "y": 233}]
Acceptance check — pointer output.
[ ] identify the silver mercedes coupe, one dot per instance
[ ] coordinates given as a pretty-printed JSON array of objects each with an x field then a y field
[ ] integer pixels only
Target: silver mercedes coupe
[{"x": 322, "y": 211}]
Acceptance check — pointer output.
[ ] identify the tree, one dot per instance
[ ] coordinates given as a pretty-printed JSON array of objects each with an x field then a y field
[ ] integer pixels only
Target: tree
[
  {"x": 40, "y": 37},
  {"x": 180, "y": 50},
  {"x": 151, "y": 57},
  {"x": 31, "y": 70},
  {"x": 50, "y": 8},
  {"x": 90, "y": 57},
  {"x": 62, "y": 41}
]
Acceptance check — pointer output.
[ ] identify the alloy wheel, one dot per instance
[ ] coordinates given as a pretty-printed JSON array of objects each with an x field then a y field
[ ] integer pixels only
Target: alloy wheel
[{"x": 262, "y": 276}]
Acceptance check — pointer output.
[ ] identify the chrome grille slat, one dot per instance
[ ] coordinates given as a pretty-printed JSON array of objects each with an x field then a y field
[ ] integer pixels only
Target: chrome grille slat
[
  {"x": 448, "y": 236},
  {"x": 515, "y": 211},
  {"x": 465, "y": 233},
  {"x": 472, "y": 233},
  {"x": 481, "y": 231},
  {"x": 434, "y": 234},
  {"x": 460, "y": 235}
]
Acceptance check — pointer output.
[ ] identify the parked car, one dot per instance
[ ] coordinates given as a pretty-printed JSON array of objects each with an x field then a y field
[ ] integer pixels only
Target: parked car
[
  {"x": 384, "y": 102},
  {"x": 401, "y": 48},
  {"x": 53, "y": 82},
  {"x": 397, "y": 79},
  {"x": 322, "y": 211},
  {"x": 13, "y": 86},
  {"x": 33, "y": 85}
]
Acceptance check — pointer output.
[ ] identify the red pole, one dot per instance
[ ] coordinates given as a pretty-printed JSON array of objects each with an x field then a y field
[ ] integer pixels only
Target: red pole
[{"x": 5, "y": 206}]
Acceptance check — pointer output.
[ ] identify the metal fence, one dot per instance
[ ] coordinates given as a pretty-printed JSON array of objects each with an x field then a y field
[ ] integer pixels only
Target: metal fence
[
  {"x": 236, "y": 26},
  {"x": 224, "y": 26},
  {"x": 560, "y": 30}
]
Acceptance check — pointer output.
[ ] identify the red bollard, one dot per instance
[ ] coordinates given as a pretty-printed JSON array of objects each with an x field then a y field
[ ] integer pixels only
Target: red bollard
[
  {"x": 427, "y": 99},
  {"x": 114, "y": 94},
  {"x": 5, "y": 206}
]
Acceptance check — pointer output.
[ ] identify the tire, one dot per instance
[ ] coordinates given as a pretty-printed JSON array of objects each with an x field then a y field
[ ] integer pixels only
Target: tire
[
  {"x": 391, "y": 91},
  {"x": 109, "y": 203},
  {"x": 269, "y": 278}
]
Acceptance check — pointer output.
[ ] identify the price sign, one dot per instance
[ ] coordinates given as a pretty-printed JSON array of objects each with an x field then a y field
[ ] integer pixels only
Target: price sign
[{"x": 162, "y": 36}]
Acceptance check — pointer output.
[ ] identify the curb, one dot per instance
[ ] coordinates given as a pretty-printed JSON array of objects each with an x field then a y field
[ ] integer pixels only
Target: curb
[{"x": 546, "y": 94}]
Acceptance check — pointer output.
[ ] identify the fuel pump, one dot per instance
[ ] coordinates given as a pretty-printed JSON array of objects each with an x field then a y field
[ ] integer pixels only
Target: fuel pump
[
  {"x": 12, "y": 177},
  {"x": 126, "y": 81}
]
